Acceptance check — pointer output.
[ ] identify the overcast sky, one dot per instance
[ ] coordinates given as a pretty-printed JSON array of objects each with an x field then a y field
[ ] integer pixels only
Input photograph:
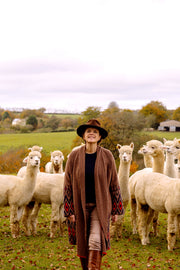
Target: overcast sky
[{"x": 71, "y": 54}]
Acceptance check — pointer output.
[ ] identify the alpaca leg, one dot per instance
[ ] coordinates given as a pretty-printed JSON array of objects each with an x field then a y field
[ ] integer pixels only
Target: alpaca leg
[
  {"x": 171, "y": 231},
  {"x": 178, "y": 225},
  {"x": 155, "y": 223},
  {"x": 142, "y": 223},
  {"x": 133, "y": 215},
  {"x": 14, "y": 223},
  {"x": 34, "y": 216},
  {"x": 62, "y": 219},
  {"x": 54, "y": 219},
  {"x": 150, "y": 216},
  {"x": 26, "y": 218}
]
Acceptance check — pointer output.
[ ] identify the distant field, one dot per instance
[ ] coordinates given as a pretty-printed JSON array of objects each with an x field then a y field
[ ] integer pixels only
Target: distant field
[
  {"x": 49, "y": 141},
  {"x": 163, "y": 134},
  {"x": 73, "y": 116}
]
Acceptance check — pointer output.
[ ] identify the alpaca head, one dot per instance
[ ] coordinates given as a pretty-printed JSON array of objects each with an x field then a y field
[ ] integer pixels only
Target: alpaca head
[
  {"x": 143, "y": 150},
  {"x": 125, "y": 152},
  {"x": 176, "y": 146},
  {"x": 154, "y": 147},
  {"x": 57, "y": 157},
  {"x": 167, "y": 146},
  {"x": 33, "y": 159}
]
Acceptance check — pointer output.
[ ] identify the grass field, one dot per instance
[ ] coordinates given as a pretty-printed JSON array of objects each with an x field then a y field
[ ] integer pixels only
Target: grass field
[
  {"x": 41, "y": 252},
  {"x": 49, "y": 141}
]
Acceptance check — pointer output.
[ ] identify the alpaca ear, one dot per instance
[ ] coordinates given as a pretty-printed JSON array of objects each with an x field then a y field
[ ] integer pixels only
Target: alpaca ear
[
  {"x": 132, "y": 145},
  {"x": 164, "y": 140},
  {"x": 25, "y": 160},
  {"x": 62, "y": 157},
  {"x": 30, "y": 148},
  {"x": 41, "y": 148},
  {"x": 118, "y": 146}
]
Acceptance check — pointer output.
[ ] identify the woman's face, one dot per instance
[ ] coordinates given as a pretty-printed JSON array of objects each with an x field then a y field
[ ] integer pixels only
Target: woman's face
[{"x": 91, "y": 135}]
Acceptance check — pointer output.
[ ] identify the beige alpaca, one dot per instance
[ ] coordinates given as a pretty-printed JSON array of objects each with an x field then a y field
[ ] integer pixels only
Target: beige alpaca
[
  {"x": 56, "y": 163},
  {"x": 146, "y": 156},
  {"x": 169, "y": 167},
  {"x": 16, "y": 192},
  {"x": 155, "y": 149},
  {"x": 125, "y": 156},
  {"x": 48, "y": 190},
  {"x": 157, "y": 192}
]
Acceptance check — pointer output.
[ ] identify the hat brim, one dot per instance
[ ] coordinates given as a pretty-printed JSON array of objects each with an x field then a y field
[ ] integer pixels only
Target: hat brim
[{"x": 81, "y": 129}]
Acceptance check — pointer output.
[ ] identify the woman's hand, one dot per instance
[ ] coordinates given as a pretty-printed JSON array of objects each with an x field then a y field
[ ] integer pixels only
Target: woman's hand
[
  {"x": 114, "y": 218},
  {"x": 72, "y": 218}
]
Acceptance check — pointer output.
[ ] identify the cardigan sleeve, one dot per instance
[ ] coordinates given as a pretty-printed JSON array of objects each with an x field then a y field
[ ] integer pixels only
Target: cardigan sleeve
[
  {"x": 68, "y": 191},
  {"x": 117, "y": 203}
]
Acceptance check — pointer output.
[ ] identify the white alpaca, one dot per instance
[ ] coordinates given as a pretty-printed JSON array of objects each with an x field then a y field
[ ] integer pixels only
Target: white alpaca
[
  {"x": 16, "y": 192},
  {"x": 146, "y": 156},
  {"x": 178, "y": 168},
  {"x": 22, "y": 170},
  {"x": 157, "y": 192},
  {"x": 48, "y": 190},
  {"x": 169, "y": 166},
  {"x": 56, "y": 163},
  {"x": 125, "y": 156},
  {"x": 155, "y": 149}
]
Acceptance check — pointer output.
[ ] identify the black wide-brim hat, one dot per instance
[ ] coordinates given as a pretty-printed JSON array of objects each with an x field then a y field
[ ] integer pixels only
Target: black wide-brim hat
[{"x": 94, "y": 123}]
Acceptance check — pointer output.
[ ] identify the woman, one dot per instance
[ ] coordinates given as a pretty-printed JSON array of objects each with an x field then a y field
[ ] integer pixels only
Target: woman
[{"x": 91, "y": 195}]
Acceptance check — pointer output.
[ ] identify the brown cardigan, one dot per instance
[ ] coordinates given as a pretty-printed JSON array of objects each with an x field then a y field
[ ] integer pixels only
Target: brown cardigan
[{"x": 108, "y": 197}]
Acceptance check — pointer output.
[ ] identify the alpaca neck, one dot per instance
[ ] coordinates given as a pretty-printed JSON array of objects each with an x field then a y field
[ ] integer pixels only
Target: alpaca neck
[
  {"x": 169, "y": 169},
  {"x": 30, "y": 178},
  {"x": 147, "y": 161},
  {"x": 123, "y": 175},
  {"x": 158, "y": 163}
]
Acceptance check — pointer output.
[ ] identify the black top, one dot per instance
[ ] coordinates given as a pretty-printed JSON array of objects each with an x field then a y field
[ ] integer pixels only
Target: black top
[{"x": 90, "y": 160}]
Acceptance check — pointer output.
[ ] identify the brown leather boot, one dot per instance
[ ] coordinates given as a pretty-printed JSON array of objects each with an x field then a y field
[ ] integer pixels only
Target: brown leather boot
[
  {"x": 94, "y": 262},
  {"x": 84, "y": 263}
]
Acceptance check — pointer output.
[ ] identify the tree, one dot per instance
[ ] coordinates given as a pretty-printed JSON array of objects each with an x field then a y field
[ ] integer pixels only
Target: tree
[
  {"x": 156, "y": 109},
  {"x": 176, "y": 114},
  {"x": 53, "y": 122},
  {"x": 5, "y": 115},
  {"x": 89, "y": 113},
  {"x": 113, "y": 104},
  {"x": 32, "y": 120}
]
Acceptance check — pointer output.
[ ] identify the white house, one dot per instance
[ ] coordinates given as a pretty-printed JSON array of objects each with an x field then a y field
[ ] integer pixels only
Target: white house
[{"x": 18, "y": 122}]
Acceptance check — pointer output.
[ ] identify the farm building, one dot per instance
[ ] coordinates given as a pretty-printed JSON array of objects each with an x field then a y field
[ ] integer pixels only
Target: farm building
[{"x": 169, "y": 125}]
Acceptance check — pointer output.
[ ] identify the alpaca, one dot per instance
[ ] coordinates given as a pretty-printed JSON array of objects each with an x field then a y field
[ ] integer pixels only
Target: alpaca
[
  {"x": 125, "y": 155},
  {"x": 169, "y": 166},
  {"x": 157, "y": 192},
  {"x": 155, "y": 149},
  {"x": 16, "y": 192},
  {"x": 48, "y": 190},
  {"x": 56, "y": 163},
  {"x": 147, "y": 158}
]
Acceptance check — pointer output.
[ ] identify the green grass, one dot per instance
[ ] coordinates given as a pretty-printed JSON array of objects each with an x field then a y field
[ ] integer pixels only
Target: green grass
[
  {"x": 41, "y": 252},
  {"x": 162, "y": 134},
  {"x": 49, "y": 141},
  {"x": 62, "y": 116}
]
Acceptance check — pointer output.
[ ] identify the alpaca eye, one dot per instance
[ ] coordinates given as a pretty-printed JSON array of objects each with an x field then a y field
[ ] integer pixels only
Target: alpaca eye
[{"x": 177, "y": 147}]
